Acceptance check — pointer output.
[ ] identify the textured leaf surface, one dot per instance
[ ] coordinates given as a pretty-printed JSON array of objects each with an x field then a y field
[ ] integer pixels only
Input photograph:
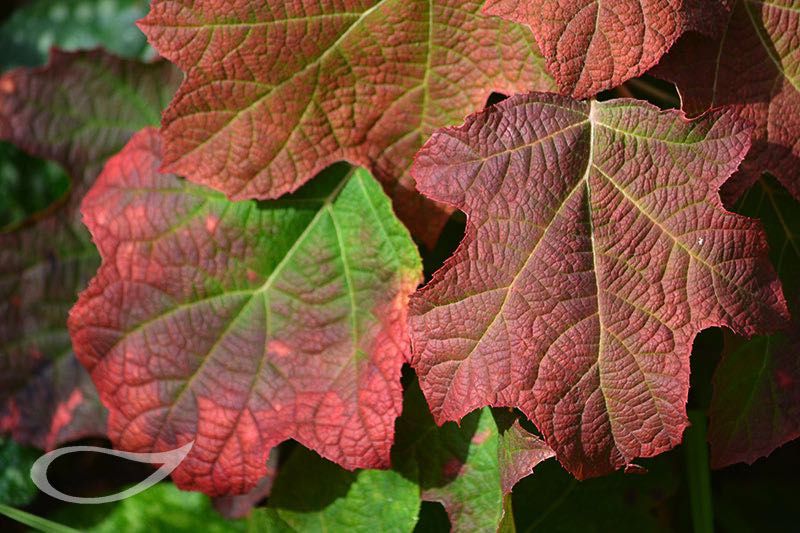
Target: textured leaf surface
[
  {"x": 755, "y": 66},
  {"x": 77, "y": 111},
  {"x": 596, "y": 248},
  {"x": 240, "y": 325},
  {"x": 241, "y": 505},
  {"x": 35, "y": 27},
  {"x": 82, "y": 108},
  {"x": 277, "y": 91},
  {"x": 594, "y": 45},
  {"x": 469, "y": 468},
  {"x": 756, "y": 402},
  {"x": 315, "y": 495}
]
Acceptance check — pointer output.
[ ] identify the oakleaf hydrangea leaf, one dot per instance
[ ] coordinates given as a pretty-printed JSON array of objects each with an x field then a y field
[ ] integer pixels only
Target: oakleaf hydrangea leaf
[
  {"x": 755, "y": 406},
  {"x": 77, "y": 111},
  {"x": 470, "y": 468},
  {"x": 594, "y": 45},
  {"x": 754, "y": 66},
  {"x": 276, "y": 91},
  {"x": 82, "y": 108},
  {"x": 314, "y": 495},
  {"x": 596, "y": 248},
  {"x": 240, "y": 325}
]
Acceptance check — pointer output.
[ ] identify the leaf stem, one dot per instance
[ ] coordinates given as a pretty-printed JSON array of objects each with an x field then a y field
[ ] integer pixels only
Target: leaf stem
[
  {"x": 36, "y": 522},
  {"x": 698, "y": 473}
]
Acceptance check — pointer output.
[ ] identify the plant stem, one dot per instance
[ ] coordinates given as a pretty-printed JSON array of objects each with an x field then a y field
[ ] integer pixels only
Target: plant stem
[
  {"x": 698, "y": 473},
  {"x": 36, "y": 522}
]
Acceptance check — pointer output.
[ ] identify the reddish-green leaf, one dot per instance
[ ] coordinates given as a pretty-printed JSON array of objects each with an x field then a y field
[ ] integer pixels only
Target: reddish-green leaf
[
  {"x": 756, "y": 402},
  {"x": 240, "y": 325},
  {"x": 592, "y": 45},
  {"x": 596, "y": 248},
  {"x": 277, "y": 91},
  {"x": 82, "y": 108},
  {"x": 78, "y": 110},
  {"x": 754, "y": 66}
]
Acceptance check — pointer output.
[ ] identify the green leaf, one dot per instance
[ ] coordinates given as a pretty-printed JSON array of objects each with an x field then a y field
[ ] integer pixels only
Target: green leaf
[
  {"x": 27, "y": 36},
  {"x": 16, "y": 487},
  {"x": 312, "y": 494},
  {"x": 468, "y": 468}
]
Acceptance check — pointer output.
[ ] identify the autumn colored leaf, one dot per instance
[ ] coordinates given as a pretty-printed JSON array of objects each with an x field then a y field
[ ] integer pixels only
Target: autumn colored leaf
[
  {"x": 470, "y": 468},
  {"x": 235, "y": 506},
  {"x": 46, "y": 397},
  {"x": 240, "y": 325},
  {"x": 82, "y": 108},
  {"x": 77, "y": 111},
  {"x": 596, "y": 248},
  {"x": 592, "y": 45},
  {"x": 277, "y": 91},
  {"x": 755, "y": 406},
  {"x": 754, "y": 66}
]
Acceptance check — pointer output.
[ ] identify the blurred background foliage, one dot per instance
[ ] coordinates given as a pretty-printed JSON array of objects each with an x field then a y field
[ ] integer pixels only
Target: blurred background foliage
[{"x": 678, "y": 492}]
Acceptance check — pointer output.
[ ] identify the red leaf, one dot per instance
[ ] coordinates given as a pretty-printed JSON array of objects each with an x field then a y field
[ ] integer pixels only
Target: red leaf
[
  {"x": 755, "y": 406},
  {"x": 596, "y": 248},
  {"x": 81, "y": 108},
  {"x": 754, "y": 66},
  {"x": 277, "y": 91},
  {"x": 240, "y": 325},
  {"x": 592, "y": 45},
  {"x": 77, "y": 110}
]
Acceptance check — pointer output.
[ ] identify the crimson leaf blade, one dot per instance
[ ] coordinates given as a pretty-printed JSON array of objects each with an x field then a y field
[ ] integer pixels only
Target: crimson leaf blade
[
  {"x": 277, "y": 91},
  {"x": 240, "y": 325},
  {"x": 591, "y": 46},
  {"x": 753, "y": 66},
  {"x": 596, "y": 248}
]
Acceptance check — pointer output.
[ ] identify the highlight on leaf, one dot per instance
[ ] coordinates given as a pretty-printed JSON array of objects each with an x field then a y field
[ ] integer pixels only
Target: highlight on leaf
[
  {"x": 242, "y": 324},
  {"x": 596, "y": 249}
]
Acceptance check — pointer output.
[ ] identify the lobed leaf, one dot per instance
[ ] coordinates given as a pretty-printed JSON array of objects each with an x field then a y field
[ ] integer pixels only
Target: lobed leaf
[
  {"x": 594, "y": 45},
  {"x": 596, "y": 248},
  {"x": 753, "y": 66},
  {"x": 277, "y": 91},
  {"x": 77, "y": 111},
  {"x": 82, "y": 108},
  {"x": 240, "y": 325},
  {"x": 470, "y": 468},
  {"x": 755, "y": 406}
]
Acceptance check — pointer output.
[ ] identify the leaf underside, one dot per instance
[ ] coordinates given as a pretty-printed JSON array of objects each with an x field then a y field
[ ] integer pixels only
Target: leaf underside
[
  {"x": 596, "y": 248},
  {"x": 277, "y": 91},
  {"x": 240, "y": 325},
  {"x": 753, "y": 66}
]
